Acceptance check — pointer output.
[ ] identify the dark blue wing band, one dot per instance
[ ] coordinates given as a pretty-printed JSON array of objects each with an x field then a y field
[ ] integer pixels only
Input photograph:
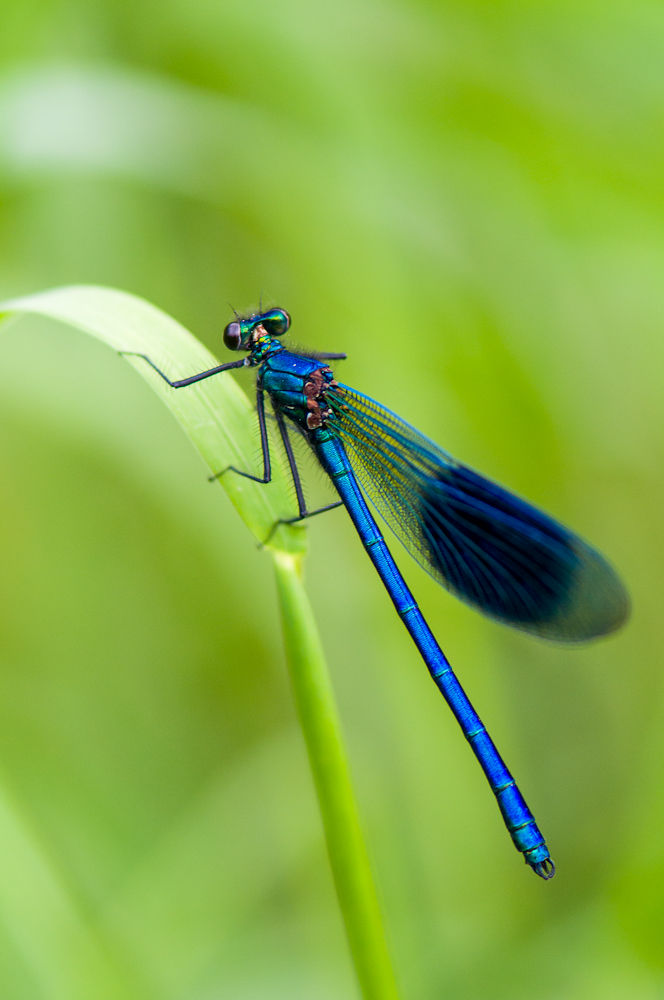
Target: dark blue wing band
[{"x": 489, "y": 547}]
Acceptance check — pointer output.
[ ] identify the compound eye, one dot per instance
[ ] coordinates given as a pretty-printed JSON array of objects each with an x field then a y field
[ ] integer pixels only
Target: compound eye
[
  {"x": 233, "y": 336},
  {"x": 276, "y": 322},
  {"x": 281, "y": 322}
]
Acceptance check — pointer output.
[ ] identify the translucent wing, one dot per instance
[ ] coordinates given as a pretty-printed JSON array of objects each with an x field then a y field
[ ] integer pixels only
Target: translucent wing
[{"x": 487, "y": 546}]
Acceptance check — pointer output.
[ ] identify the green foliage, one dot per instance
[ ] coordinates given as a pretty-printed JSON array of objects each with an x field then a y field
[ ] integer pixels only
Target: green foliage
[{"x": 467, "y": 199}]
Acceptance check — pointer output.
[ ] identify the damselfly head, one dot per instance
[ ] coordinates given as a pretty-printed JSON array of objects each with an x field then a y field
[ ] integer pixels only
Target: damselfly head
[{"x": 241, "y": 333}]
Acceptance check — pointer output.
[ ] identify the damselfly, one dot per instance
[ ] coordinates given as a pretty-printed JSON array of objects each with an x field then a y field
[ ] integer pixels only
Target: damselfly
[{"x": 487, "y": 546}]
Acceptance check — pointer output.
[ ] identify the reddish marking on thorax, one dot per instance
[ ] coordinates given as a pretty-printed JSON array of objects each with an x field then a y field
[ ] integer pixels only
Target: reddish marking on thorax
[{"x": 314, "y": 390}]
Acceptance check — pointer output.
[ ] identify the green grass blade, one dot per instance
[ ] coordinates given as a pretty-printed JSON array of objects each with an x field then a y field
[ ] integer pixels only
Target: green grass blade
[
  {"x": 215, "y": 413},
  {"x": 322, "y": 732},
  {"x": 221, "y": 423}
]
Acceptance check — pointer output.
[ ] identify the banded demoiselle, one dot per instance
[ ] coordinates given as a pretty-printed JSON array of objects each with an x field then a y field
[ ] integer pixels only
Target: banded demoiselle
[{"x": 487, "y": 546}]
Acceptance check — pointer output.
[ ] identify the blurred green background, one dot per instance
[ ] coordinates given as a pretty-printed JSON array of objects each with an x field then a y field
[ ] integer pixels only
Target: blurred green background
[{"x": 468, "y": 198}]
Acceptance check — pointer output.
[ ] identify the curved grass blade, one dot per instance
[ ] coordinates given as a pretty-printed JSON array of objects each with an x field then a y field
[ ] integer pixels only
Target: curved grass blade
[
  {"x": 215, "y": 413},
  {"x": 321, "y": 726},
  {"x": 221, "y": 423}
]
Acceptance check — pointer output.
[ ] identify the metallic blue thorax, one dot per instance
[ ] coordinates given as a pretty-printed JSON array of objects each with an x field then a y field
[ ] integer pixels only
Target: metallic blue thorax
[{"x": 293, "y": 381}]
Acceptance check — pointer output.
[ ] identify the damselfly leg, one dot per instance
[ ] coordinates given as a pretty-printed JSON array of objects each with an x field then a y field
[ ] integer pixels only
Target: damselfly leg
[
  {"x": 303, "y": 513},
  {"x": 181, "y": 383}
]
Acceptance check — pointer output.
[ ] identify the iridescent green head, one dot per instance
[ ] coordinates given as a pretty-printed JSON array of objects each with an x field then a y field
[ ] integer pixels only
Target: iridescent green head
[{"x": 241, "y": 334}]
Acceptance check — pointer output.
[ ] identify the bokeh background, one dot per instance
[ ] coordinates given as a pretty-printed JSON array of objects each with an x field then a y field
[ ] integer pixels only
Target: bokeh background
[{"x": 468, "y": 198}]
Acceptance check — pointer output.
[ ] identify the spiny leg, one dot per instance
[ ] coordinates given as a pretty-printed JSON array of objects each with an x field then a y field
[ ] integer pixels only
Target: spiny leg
[
  {"x": 297, "y": 482},
  {"x": 295, "y": 472},
  {"x": 181, "y": 383},
  {"x": 265, "y": 444},
  {"x": 265, "y": 448}
]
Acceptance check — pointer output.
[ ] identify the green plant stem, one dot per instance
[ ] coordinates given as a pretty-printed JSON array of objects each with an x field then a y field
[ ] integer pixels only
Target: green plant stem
[{"x": 322, "y": 733}]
